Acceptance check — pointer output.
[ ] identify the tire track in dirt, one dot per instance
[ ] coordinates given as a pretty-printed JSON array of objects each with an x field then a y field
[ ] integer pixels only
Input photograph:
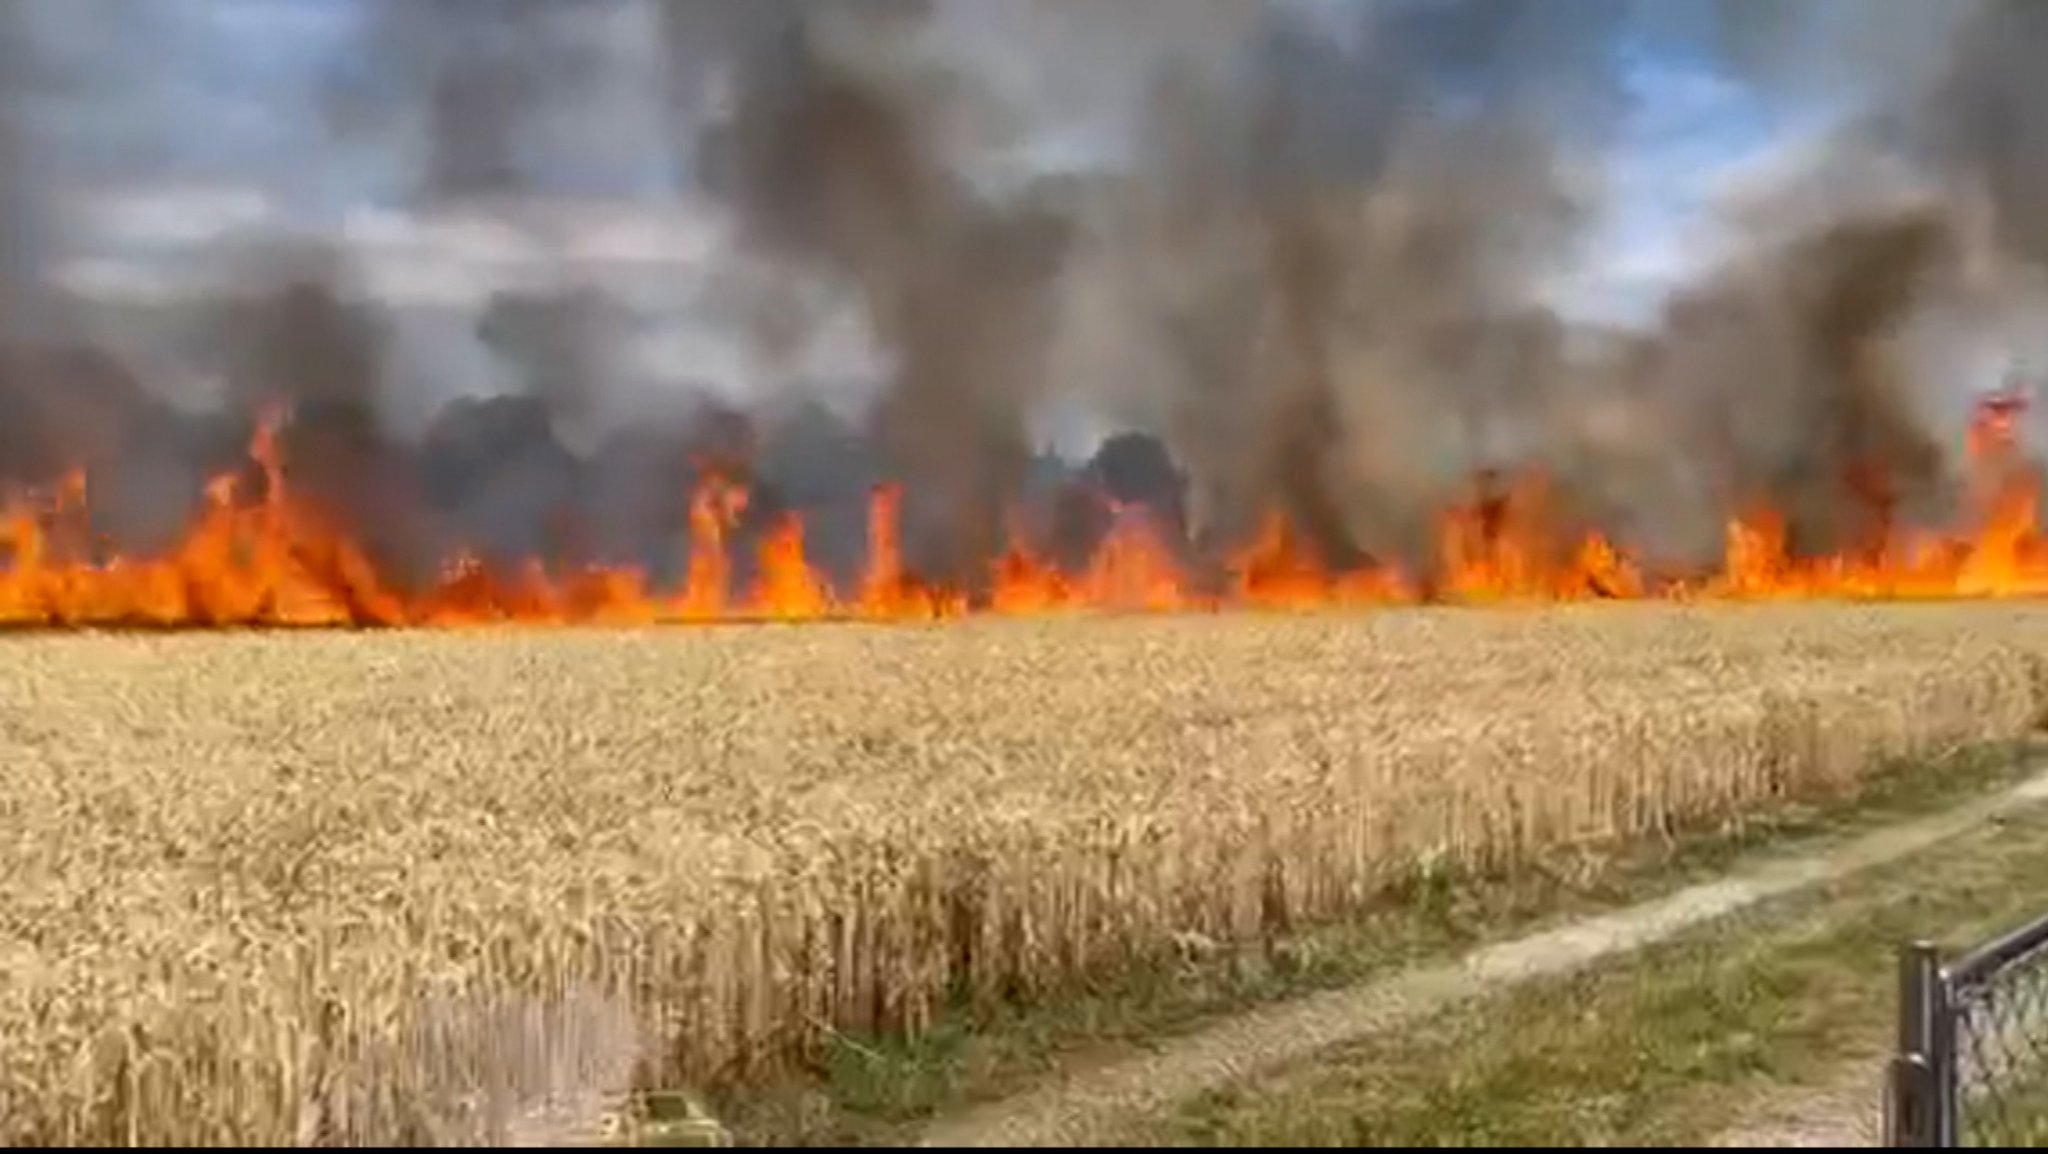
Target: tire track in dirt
[{"x": 1086, "y": 1108}]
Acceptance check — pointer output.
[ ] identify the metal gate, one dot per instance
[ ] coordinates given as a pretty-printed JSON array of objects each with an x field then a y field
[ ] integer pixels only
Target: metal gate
[{"x": 1972, "y": 1061}]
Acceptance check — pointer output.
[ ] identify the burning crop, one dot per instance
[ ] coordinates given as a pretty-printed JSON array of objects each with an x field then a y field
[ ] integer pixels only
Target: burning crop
[
  {"x": 260, "y": 555},
  {"x": 1322, "y": 305}
]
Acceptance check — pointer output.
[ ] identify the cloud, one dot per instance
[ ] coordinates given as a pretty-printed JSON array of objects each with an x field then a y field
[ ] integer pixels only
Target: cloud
[
  {"x": 171, "y": 215},
  {"x": 481, "y": 246},
  {"x": 1693, "y": 130}
]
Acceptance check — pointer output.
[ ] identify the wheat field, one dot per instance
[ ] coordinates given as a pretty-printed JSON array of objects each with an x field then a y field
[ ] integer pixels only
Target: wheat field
[{"x": 312, "y": 888}]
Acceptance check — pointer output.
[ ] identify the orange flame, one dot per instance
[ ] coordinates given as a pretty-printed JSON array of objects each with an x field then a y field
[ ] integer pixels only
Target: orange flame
[{"x": 273, "y": 560}]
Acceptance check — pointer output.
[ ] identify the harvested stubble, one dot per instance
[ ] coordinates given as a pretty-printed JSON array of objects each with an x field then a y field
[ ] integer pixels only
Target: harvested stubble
[{"x": 404, "y": 887}]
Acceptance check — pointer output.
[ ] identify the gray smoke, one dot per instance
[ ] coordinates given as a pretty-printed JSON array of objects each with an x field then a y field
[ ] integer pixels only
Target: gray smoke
[
  {"x": 1785, "y": 371},
  {"x": 1296, "y": 203},
  {"x": 468, "y": 81},
  {"x": 1815, "y": 371},
  {"x": 1306, "y": 254},
  {"x": 22, "y": 207},
  {"x": 1324, "y": 270},
  {"x": 832, "y": 161},
  {"x": 1985, "y": 123},
  {"x": 67, "y": 405}
]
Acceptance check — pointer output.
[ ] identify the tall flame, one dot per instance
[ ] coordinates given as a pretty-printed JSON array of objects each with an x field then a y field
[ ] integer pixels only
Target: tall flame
[{"x": 271, "y": 559}]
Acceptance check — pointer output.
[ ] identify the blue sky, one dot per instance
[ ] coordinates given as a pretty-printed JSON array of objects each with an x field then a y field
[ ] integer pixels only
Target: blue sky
[
  {"x": 243, "y": 68},
  {"x": 1690, "y": 126}
]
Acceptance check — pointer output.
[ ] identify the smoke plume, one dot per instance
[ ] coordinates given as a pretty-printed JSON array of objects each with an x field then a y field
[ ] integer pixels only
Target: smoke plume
[{"x": 1300, "y": 256}]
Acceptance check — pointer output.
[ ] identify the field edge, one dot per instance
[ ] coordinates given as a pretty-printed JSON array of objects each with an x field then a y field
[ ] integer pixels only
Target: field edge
[{"x": 882, "y": 1089}]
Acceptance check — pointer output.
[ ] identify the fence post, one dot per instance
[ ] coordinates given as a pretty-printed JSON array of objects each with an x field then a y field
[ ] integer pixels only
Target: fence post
[
  {"x": 1908, "y": 1101},
  {"x": 1917, "y": 1110},
  {"x": 1941, "y": 1053}
]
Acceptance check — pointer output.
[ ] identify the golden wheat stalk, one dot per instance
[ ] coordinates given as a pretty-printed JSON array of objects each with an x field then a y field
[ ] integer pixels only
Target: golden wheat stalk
[{"x": 425, "y": 888}]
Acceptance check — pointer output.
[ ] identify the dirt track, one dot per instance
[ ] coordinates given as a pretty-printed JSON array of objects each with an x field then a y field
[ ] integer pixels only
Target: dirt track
[{"x": 1087, "y": 1107}]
